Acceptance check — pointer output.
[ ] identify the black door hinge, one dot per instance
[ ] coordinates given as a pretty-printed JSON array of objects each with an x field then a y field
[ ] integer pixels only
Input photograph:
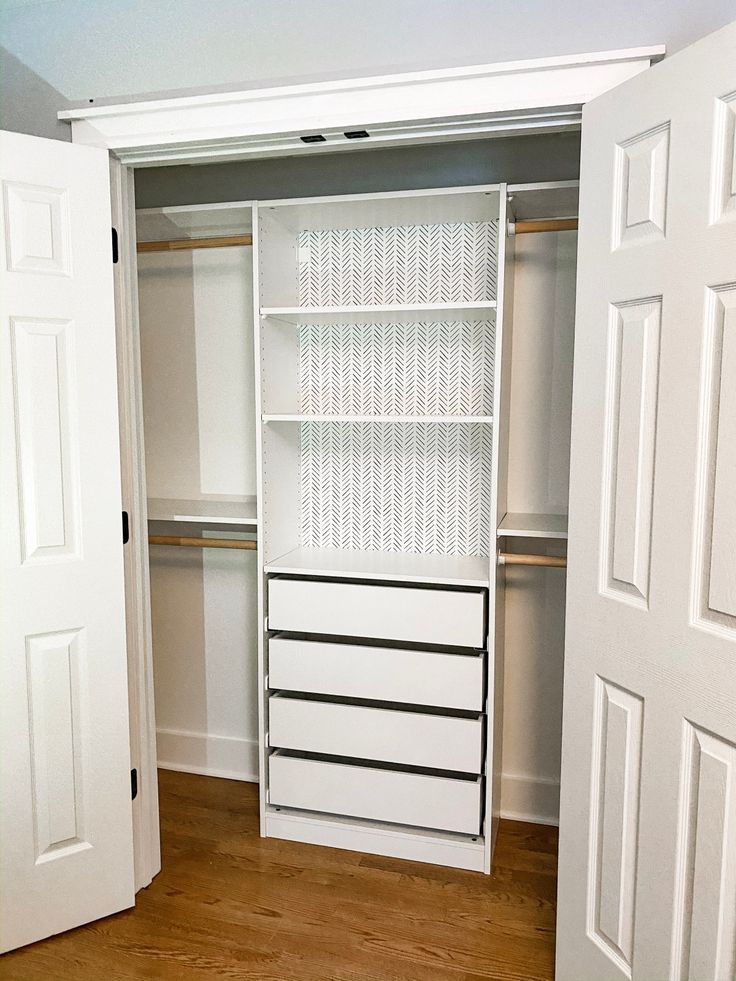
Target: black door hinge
[
  {"x": 126, "y": 528},
  {"x": 114, "y": 245},
  {"x": 133, "y": 784}
]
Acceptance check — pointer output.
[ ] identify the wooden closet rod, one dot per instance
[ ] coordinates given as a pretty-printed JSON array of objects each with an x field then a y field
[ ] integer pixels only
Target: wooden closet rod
[
  {"x": 248, "y": 544},
  {"x": 172, "y": 245},
  {"x": 545, "y": 225},
  {"x": 518, "y": 558}
]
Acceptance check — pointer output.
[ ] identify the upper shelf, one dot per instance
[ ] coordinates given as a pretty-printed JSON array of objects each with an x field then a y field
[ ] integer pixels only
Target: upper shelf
[
  {"x": 519, "y": 525},
  {"x": 194, "y": 221},
  {"x": 455, "y": 570},
  {"x": 203, "y": 512},
  {"x": 390, "y": 312},
  {"x": 306, "y": 417}
]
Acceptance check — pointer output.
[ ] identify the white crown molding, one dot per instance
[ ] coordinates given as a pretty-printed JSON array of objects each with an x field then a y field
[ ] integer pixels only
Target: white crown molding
[{"x": 457, "y": 103}]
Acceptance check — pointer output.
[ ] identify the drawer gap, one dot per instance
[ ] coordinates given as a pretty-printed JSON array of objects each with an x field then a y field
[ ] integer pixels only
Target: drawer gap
[
  {"x": 378, "y": 643},
  {"x": 449, "y": 713},
  {"x": 299, "y": 754}
]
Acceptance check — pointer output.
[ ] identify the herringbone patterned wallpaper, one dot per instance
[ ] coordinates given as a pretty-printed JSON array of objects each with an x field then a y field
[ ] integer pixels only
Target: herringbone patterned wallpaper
[
  {"x": 415, "y": 487},
  {"x": 433, "y": 263}
]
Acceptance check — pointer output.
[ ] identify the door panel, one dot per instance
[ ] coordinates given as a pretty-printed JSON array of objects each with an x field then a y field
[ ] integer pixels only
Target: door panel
[
  {"x": 647, "y": 887},
  {"x": 66, "y": 808}
]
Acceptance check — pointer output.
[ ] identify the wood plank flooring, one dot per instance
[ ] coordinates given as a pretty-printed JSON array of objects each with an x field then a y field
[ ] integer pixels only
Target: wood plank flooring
[{"x": 231, "y": 905}]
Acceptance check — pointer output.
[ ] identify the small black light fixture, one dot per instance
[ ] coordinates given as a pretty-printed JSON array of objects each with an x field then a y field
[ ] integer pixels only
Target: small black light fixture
[
  {"x": 356, "y": 134},
  {"x": 314, "y": 138}
]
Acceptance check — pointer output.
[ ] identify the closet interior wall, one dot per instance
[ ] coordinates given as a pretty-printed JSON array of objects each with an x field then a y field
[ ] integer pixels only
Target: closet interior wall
[{"x": 200, "y": 430}]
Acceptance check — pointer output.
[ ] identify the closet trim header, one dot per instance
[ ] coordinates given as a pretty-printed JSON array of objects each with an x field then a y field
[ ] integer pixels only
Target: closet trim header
[{"x": 536, "y": 95}]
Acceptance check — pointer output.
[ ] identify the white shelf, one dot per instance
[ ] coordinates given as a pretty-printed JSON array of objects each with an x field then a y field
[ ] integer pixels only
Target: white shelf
[
  {"x": 519, "y": 525},
  {"x": 392, "y": 312},
  {"x": 203, "y": 512},
  {"x": 301, "y": 417},
  {"x": 454, "y": 570}
]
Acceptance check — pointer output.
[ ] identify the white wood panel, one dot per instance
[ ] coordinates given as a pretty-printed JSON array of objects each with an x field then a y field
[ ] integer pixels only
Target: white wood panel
[
  {"x": 417, "y": 799},
  {"x": 704, "y": 942},
  {"x": 722, "y": 592},
  {"x": 37, "y": 223},
  {"x": 429, "y": 616},
  {"x": 723, "y": 196},
  {"x": 46, "y": 424},
  {"x": 615, "y": 804},
  {"x": 67, "y": 854},
  {"x": 364, "y": 732},
  {"x": 641, "y": 187},
  {"x": 385, "y": 674},
  {"x": 58, "y": 780},
  {"x": 632, "y": 410}
]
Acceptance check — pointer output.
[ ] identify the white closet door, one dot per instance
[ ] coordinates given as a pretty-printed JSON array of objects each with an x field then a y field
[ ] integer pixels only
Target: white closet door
[
  {"x": 647, "y": 885},
  {"x": 67, "y": 849}
]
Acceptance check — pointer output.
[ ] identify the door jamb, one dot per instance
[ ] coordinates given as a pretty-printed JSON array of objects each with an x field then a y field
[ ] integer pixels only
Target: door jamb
[{"x": 146, "y": 831}]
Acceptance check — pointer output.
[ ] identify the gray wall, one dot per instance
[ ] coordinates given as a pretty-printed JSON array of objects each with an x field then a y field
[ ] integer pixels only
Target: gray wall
[
  {"x": 27, "y": 103},
  {"x": 98, "y": 48},
  {"x": 516, "y": 160}
]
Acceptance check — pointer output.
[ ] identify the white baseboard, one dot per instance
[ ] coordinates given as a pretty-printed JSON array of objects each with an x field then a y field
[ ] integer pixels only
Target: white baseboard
[
  {"x": 213, "y": 756},
  {"x": 529, "y": 798}
]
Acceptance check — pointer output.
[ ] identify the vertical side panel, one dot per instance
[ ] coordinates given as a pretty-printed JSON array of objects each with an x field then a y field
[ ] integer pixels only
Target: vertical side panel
[
  {"x": 704, "y": 942},
  {"x": 46, "y": 437},
  {"x": 54, "y": 703},
  {"x": 615, "y": 785},
  {"x": 630, "y": 442}
]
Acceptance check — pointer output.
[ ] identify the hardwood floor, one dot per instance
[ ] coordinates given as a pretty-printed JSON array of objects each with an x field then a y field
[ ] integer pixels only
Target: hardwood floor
[{"x": 230, "y": 905}]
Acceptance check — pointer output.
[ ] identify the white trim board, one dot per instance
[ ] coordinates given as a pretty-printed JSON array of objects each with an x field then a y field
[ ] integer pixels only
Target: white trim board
[
  {"x": 231, "y": 757},
  {"x": 543, "y": 94}
]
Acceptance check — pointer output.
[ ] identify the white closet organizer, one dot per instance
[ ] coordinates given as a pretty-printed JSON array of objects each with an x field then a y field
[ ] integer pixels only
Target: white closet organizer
[
  {"x": 391, "y": 454},
  {"x": 384, "y": 382}
]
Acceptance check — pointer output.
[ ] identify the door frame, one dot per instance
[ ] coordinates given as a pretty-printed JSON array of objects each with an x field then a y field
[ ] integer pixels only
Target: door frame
[
  {"x": 534, "y": 95},
  {"x": 541, "y": 95},
  {"x": 146, "y": 832}
]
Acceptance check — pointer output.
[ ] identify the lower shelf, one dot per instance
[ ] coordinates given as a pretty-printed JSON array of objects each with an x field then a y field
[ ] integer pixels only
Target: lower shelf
[{"x": 453, "y": 570}]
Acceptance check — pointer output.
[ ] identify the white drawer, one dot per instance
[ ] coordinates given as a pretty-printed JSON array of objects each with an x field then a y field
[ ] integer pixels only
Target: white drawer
[
  {"x": 418, "y": 799},
  {"x": 380, "y": 673},
  {"x": 390, "y": 735},
  {"x": 424, "y": 616}
]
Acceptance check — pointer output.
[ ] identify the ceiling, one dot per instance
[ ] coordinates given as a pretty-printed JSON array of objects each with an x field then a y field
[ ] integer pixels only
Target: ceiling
[{"x": 99, "y": 49}]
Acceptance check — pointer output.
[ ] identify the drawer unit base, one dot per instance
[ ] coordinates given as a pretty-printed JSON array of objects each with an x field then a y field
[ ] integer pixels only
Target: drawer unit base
[{"x": 434, "y": 847}]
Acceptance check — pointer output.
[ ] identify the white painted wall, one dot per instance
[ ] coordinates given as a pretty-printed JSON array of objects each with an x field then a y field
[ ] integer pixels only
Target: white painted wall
[
  {"x": 539, "y": 459},
  {"x": 197, "y": 354}
]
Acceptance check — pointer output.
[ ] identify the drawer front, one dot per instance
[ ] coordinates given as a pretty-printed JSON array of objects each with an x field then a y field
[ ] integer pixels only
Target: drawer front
[
  {"x": 389, "y": 735},
  {"x": 424, "y": 616},
  {"x": 380, "y": 673},
  {"x": 417, "y": 799}
]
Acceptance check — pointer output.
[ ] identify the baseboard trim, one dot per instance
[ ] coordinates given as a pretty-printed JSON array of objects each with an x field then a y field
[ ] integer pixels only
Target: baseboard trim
[
  {"x": 529, "y": 798},
  {"x": 230, "y": 757}
]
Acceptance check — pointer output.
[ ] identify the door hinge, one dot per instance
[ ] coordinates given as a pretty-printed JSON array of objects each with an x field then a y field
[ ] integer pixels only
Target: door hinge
[
  {"x": 126, "y": 528},
  {"x": 114, "y": 245},
  {"x": 133, "y": 784}
]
